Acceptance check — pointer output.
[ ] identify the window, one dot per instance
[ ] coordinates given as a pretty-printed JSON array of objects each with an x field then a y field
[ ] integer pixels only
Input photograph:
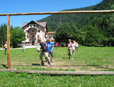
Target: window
[
  {"x": 27, "y": 36},
  {"x": 32, "y": 30},
  {"x": 32, "y": 35},
  {"x": 34, "y": 25},
  {"x": 38, "y": 30}
]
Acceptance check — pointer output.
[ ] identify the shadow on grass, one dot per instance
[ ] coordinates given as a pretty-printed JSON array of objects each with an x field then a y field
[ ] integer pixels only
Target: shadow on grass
[
  {"x": 35, "y": 64},
  {"x": 4, "y": 66},
  {"x": 65, "y": 57},
  {"x": 104, "y": 67}
]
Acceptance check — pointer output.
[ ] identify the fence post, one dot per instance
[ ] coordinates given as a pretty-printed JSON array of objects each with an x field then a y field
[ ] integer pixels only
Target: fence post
[{"x": 8, "y": 41}]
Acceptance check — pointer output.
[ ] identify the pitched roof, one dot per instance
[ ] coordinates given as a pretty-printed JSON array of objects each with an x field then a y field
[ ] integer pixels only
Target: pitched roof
[{"x": 42, "y": 24}]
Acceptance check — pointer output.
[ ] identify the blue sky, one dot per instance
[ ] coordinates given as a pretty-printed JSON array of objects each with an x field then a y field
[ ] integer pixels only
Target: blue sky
[{"x": 25, "y": 6}]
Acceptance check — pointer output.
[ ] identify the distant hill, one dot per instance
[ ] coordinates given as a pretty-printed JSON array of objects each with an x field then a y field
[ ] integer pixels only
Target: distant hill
[
  {"x": 80, "y": 20},
  {"x": 91, "y": 29}
]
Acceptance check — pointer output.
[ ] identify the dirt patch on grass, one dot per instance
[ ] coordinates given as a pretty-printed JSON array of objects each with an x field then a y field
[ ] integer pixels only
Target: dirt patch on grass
[
  {"x": 61, "y": 65},
  {"x": 69, "y": 66}
]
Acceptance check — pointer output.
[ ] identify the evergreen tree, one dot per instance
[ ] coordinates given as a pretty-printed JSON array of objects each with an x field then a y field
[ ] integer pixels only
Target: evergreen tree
[{"x": 3, "y": 34}]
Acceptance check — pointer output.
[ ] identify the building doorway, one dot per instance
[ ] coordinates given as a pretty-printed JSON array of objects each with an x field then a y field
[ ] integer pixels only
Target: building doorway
[{"x": 32, "y": 42}]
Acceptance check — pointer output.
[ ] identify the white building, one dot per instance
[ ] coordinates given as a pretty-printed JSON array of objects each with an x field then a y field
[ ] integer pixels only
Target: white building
[
  {"x": 34, "y": 30},
  {"x": 51, "y": 35}
]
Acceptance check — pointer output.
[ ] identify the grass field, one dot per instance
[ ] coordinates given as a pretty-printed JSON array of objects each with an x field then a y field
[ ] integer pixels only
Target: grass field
[
  {"x": 85, "y": 59},
  {"x": 36, "y": 80}
]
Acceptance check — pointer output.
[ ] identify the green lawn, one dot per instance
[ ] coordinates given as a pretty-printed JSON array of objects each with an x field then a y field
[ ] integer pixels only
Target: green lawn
[
  {"x": 86, "y": 58},
  {"x": 36, "y": 80}
]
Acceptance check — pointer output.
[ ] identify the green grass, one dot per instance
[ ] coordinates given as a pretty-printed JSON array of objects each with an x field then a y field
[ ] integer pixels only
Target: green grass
[
  {"x": 86, "y": 58},
  {"x": 37, "y": 80}
]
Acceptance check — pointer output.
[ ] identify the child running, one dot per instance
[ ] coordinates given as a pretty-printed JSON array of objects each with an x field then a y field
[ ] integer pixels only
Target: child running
[
  {"x": 70, "y": 49},
  {"x": 50, "y": 48},
  {"x": 44, "y": 52}
]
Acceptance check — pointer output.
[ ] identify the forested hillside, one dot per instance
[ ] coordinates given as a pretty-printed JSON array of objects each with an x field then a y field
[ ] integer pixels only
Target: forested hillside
[
  {"x": 95, "y": 29},
  {"x": 54, "y": 20}
]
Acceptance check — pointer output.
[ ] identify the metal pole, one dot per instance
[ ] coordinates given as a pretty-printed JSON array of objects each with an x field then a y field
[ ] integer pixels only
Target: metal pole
[{"x": 8, "y": 41}]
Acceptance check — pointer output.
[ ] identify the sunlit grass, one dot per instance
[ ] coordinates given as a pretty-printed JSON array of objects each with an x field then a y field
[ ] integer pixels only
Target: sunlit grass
[
  {"x": 37, "y": 80},
  {"x": 86, "y": 58}
]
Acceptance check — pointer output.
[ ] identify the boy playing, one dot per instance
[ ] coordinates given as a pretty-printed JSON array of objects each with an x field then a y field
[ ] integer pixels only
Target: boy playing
[
  {"x": 43, "y": 52},
  {"x": 50, "y": 48}
]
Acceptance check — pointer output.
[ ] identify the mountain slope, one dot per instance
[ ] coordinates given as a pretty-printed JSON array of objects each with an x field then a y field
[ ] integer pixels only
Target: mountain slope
[{"x": 80, "y": 20}]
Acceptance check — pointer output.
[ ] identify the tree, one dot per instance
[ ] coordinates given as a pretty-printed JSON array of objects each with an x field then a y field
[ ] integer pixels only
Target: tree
[
  {"x": 92, "y": 36},
  {"x": 81, "y": 37},
  {"x": 66, "y": 31},
  {"x": 17, "y": 36},
  {"x": 50, "y": 29},
  {"x": 3, "y": 34}
]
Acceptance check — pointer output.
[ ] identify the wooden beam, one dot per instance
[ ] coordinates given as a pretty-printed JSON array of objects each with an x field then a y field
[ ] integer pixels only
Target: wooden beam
[
  {"x": 8, "y": 41},
  {"x": 60, "y": 72},
  {"x": 62, "y": 12}
]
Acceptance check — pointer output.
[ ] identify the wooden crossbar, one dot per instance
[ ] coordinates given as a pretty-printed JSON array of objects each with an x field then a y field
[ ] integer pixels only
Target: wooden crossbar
[{"x": 61, "y": 12}]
